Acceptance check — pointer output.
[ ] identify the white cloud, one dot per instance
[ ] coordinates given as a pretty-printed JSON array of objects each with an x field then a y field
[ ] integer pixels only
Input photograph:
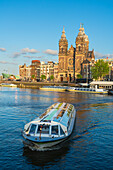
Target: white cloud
[
  {"x": 100, "y": 56},
  {"x": 6, "y": 62},
  {"x": 27, "y": 50},
  {"x": 2, "y": 49},
  {"x": 41, "y": 56},
  {"x": 16, "y": 54},
  {"x": 28, "y": 56},
  {"x": 51, "y": 52}
]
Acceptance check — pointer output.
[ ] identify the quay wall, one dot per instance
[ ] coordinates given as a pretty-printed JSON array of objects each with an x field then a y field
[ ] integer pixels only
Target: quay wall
[{"x": 36, "y": 85}]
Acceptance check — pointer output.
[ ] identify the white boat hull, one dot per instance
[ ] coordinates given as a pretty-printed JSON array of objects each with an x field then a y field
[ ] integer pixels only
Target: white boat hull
[
  {"x": 41, "y": 145},
  {"x": 58, "y": 125}
]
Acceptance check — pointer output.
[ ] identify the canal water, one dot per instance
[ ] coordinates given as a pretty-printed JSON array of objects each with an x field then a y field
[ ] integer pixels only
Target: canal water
[{"x": 90, "y": 146}]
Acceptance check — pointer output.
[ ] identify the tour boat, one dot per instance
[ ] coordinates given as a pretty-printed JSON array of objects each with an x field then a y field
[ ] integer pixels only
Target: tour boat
[
  {"x": 53, "y": 127},
  {"x": 8, "y": 85},
  {"x": 88, "y": 90},
  {"x": 54, "y": 88},
  {"x": 75, "y": 89}
]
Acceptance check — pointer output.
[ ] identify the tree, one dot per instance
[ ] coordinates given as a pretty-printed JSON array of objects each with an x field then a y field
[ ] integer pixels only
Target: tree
[
  {"x": 43, "y": 77},
  {"x": 79, "y": 76},
  {"x": 33, "y": 76},
  {"x": 51, "y": 77},
  {"x": 100, "y": 69}
]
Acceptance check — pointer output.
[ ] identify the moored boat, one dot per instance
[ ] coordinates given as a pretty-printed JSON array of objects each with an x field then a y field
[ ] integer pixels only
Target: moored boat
[
  {"x": 54, "y": 88},
  {"x": 75, "y": 89},
  {"x": 53, "y": 127},
  {"x": 88, "y": 90},
  {"x": 8, "y": 85}
]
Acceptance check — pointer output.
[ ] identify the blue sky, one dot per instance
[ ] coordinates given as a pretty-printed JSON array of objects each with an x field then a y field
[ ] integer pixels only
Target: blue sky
[{"x": 31, "y": 29}]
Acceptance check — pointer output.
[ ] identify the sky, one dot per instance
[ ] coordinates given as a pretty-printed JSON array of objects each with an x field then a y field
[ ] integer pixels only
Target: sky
[{"x": 31, "y": 29}]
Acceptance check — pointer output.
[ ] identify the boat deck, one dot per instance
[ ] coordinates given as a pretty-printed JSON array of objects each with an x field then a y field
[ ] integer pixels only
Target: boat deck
[{"x": 59, "y": 112}]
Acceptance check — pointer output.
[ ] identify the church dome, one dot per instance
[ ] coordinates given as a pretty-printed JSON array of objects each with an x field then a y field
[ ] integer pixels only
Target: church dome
[
  {"x": 63, "y": 36},
  {"x": 82, "y": 33}
]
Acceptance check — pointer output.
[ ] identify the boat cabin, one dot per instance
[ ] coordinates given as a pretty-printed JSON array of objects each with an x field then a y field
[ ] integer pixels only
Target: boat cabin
[
  {"x": 55, "y": 122},
  {"x": 45, "y": 130}
]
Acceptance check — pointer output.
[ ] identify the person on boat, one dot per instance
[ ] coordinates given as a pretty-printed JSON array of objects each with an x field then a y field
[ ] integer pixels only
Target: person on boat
[{"x": 40, "y": 132}]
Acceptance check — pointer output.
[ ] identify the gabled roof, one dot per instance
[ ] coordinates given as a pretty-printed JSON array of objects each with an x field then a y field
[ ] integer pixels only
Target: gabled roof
[{"x": 86, "y": 62}]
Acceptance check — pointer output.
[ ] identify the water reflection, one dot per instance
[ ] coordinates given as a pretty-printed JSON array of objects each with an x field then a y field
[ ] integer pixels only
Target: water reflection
[{"x": 46, "y": 157}]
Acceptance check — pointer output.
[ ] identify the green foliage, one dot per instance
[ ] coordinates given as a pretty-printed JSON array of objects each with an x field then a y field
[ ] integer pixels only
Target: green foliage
[
  {"x": 5, "y": 75},
  {"x": 100, "y": 69},
  {"x": 33, "y": 76},
  {"x": 43, "y": 77},
  {"x": 51, "y": 77},
  {"x": 79, "y": 76}
]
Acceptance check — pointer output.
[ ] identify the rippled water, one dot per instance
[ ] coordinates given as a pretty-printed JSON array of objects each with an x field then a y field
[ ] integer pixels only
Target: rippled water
[{"x": 90, "y": 146}]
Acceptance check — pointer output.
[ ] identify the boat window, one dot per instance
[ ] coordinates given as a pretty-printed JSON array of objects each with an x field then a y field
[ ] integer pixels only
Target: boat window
[
  {"x": 61, "y": 131},
  {"x": 26, "y": 130},
  {"x": 68, "y": 123},
  {"x": 44, "y": 129},
  {"x": 54, "y": 130},
  {"x": 32, "y": 129}
]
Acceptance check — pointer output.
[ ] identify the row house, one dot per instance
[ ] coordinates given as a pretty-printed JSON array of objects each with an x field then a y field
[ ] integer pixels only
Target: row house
[
  {"x": 56, "y": 72},
  {"x": 35, "y": 70},
  {"x": 25, "y": 72},
  {"x": 49, "y": 69}
]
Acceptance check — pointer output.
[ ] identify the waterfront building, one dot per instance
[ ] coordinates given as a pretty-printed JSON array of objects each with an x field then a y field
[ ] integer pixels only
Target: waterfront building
[
  {"x": 25, "y": 72},
  {"x": 47, "y": 69},
  {"x": 75, "y": 60},
  {"x": 35, "y": 70},
  {"x": 56, "y": 72}
]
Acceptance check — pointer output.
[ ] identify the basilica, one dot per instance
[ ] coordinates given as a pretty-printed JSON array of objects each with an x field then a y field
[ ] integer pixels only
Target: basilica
[{"x": 75, "y": 60}]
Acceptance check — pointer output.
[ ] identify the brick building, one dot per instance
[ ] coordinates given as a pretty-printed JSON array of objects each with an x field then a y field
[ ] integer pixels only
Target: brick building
[
  {"x": 25, "y": 72},
  {"x": 74, "y": 61},
  {"x": 35, "y": 70}
]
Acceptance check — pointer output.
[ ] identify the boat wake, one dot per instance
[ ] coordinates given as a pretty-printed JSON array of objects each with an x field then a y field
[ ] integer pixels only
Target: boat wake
[{"x": 86, "y": 131}]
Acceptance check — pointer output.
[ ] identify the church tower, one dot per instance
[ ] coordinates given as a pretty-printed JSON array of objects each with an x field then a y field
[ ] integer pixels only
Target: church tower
[
  {"x": 63, "y": 44},
  {"x": 82, "y": 48},
  {"x": 63, "y": 48}
]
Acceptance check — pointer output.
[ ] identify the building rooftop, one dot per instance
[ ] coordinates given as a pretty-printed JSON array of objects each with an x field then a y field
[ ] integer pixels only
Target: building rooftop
[{"x": 37, "y": 61}]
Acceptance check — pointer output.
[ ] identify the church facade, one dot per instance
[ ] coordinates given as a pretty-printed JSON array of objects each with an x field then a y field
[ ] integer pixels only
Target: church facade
[{"x": 75, "y": 61}]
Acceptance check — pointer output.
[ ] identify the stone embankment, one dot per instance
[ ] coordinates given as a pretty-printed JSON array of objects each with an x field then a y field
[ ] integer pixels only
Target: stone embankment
[{"x": 36, "y": 85}]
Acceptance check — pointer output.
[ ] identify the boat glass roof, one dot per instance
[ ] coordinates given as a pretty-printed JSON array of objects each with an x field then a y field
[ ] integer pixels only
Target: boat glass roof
[{"x": 59, "y": 112}]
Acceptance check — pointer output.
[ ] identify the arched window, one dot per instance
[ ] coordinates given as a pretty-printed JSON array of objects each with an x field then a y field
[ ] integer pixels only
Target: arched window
[
  {"x": 79, "y": 48},
  {"x": 62, "y": 49}
]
